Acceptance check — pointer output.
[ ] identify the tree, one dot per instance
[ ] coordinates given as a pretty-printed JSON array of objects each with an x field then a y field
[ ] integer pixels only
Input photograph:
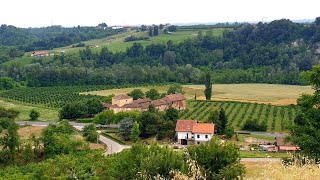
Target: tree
[
  {"x": 149, "y": 124},
  {"x": 105, "y": 56},
  {"x": 174, "y": 89},
  {"x": 169, "y": 58},
  {"x": 7, "y": 83},
  {"x": 10, "y": 140},
  {"x": 214, "y": 118},
  {"x": 208, "y": 85},
  {"x": 156, "y": 30},
  {"x": 94, "y": 106},
  {"x": 171, "y": 114},
  {"x": 224, "y": 121},
  {"x": 306, "y": 131},
  {"x": 136, "y": 50},
  {"x": 254, "y": 125},
  {"x": 73, "y": 111},
  {"x": 216, "y": 158},
  {"x": 34, "y": 115},
  {"x": 229, "y": 132},
  {"x": 136, "y": 94},
  {"x": 125, "y": 128},
  {"x": 150, "y": 32},
  {"x": 90, "y": 133},
  {"x": 317, "y": 21},
  {"x": 135, "y": 132},
  {"x": 152, "y": 108},
  {"x": 28, "y": 154},
  {"x": 153, "y": 94},
  {"x": 172, "y": 28},
  {"x": 8, "y": 113},
  {"x": 105, "y": 117}
]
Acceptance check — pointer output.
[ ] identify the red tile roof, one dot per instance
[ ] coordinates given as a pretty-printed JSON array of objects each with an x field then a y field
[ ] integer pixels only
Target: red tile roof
[
  {"x": 185, "y": 125},
  {"x": 40, "y": 53},
  {"x": 108, "y": 105},
  {"x": 194, "y": 127},
  {"x": 122, "y": 96},
  {"x": 203, "y": 128},
  {"x": 289, "y": 148},
  {"x": 144, "y": 100},
  {"x": 175, "y": 97}
]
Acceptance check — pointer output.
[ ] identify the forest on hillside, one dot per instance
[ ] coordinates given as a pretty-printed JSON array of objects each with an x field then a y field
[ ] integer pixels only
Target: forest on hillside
[{"x": 275, "y": 52}]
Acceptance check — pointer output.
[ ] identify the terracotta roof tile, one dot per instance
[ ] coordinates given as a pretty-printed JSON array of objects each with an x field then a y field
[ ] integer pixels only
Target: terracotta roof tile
[
  {"x": 205, "y": 128},
  {"x": 185, "y": 125},
  {"x": 122, "y": 96},
  {"x": 175, "y": 97}
]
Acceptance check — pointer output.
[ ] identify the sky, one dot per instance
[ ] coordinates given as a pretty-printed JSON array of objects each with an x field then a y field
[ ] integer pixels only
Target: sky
[{"x": 69, "y": 13}]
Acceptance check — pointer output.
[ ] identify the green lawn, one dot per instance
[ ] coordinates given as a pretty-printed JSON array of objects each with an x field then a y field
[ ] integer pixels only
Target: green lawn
[
  {"x": 261, "y": 154},
  {"x": 46, "y": 114}
]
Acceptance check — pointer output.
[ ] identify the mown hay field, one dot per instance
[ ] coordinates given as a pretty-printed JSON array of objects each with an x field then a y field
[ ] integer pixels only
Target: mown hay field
[{"x": 275, "y": 94}]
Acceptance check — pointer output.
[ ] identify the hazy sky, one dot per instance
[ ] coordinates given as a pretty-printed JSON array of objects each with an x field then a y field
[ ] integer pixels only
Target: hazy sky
[{"x": 38, "y": 13}]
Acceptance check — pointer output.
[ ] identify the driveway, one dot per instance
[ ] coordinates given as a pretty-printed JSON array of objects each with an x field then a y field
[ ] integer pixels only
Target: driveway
[
  {"x": 112, "y": 146},
  {"x": 260, "y": 159}
]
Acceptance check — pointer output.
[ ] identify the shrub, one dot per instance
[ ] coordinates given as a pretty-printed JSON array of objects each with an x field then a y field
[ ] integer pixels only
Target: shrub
[
  {"x": 218, "y": 160},
  {"x": 90, "y": 133},
  {"x": 34, "y": 115},
  {"x": 254, "y": 125}
]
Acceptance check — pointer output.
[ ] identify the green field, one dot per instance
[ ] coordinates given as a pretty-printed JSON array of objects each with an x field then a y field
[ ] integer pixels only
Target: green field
[
  {"x": 261, "y": 154},
  {"x": 46, "y": 114},
  {"x": 116, "y": 43},
  {"x": 275, "y": 94},
  {"x": 278, "y": 118}
]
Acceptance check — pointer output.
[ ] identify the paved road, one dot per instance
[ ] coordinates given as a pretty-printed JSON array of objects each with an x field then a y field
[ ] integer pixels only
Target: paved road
[
  {"x": 264, "y": 133},
  {"x": 260, "y": 159},
  {"x": 75, "y": 124},
  {"x": 112, "y": 146}
]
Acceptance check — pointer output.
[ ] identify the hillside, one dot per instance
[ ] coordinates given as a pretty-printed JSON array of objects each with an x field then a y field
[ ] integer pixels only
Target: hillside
[{"x": 278, "y": 52}]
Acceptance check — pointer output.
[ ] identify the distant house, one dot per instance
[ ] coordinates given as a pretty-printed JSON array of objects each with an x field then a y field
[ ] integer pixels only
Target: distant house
[
  {"x": 124, "y": 102},
  {"x": 282, "y": 146},
  {"x": 189, "y": 132},
  {"x": 39, "y": 54},
  {"x": 116, "y": 27},
  {"x": 268, "y": 148},
  {"x": 177, "y": 101}
]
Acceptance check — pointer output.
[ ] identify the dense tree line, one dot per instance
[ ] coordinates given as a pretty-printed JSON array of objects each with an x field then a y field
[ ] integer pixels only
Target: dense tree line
[
  {"x": 276, "y": 52},
  {"x": 32, "y": 39},
  {"x": 305, "y": 132}
]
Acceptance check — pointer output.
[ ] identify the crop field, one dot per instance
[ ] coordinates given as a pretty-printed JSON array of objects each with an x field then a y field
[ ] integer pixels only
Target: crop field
[
  {"x": 274, "y": 94},
  {"x": 57, "y": 96},
  {"x": 278, "y": 118},
  {"x": 46, "y": 114}
]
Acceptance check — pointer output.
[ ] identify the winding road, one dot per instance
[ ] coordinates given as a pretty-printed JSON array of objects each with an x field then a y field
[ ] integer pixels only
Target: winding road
[{"x": 112, "y": 146}]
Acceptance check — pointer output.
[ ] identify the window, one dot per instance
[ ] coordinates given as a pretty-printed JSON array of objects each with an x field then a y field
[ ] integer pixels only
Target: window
[
  {"x": 206, "y": 136},
  {"x": 198, "y": 136}
]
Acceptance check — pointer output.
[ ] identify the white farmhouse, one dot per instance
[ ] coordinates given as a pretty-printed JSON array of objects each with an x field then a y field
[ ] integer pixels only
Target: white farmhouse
[{"x": 191, "y": 132}]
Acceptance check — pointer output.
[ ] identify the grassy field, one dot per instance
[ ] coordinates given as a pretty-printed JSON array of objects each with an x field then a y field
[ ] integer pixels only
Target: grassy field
[
  {"x": 116, "y": 43},
  {"x": 261, "y": 154},
  {"x": 274, "y": 94},
  {"x": 46, "y": 114}
]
